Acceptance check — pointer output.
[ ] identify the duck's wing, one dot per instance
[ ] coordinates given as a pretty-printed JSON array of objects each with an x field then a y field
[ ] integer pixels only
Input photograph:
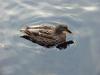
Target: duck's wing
[
  {"x": 40, "y": 30},
  {"x": 42, "y": 35}
]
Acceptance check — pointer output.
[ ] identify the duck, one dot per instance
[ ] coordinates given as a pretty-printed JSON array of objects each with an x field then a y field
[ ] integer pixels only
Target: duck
[{"x": 48, "y": 35}]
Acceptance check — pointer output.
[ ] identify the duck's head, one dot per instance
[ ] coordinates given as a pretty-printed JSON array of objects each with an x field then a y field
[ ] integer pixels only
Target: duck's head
[{"x": 62, "y": 29}]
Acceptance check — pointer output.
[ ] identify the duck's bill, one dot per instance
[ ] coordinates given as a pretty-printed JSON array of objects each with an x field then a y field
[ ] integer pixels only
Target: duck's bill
[{"x": 69, "y": 31}]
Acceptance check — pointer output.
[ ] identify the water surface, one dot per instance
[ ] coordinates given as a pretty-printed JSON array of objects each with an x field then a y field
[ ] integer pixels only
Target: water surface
[{"x": 22, "y": 57}]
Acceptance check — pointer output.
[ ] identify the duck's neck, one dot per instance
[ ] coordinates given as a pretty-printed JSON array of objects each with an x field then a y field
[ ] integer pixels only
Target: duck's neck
[{"x": 61, "y": 37}]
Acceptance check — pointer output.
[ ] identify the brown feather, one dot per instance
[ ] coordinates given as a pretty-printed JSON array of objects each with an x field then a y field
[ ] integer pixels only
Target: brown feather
[{"x": 44, "y": 35}]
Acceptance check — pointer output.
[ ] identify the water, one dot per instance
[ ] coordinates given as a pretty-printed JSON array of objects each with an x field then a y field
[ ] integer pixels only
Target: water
[{"x": 22, "y": 57}]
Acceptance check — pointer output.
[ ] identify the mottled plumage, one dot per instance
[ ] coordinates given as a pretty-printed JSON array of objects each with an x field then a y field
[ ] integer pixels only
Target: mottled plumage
[{"x": 47, "y": 35}]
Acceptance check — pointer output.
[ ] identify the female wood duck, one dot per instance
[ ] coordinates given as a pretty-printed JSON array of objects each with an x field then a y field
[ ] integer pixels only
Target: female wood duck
[{"x": 48, "y": 35}]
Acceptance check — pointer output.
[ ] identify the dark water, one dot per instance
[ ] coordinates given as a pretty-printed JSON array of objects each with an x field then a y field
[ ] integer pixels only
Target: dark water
[{"x": 21, "y": 57}]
